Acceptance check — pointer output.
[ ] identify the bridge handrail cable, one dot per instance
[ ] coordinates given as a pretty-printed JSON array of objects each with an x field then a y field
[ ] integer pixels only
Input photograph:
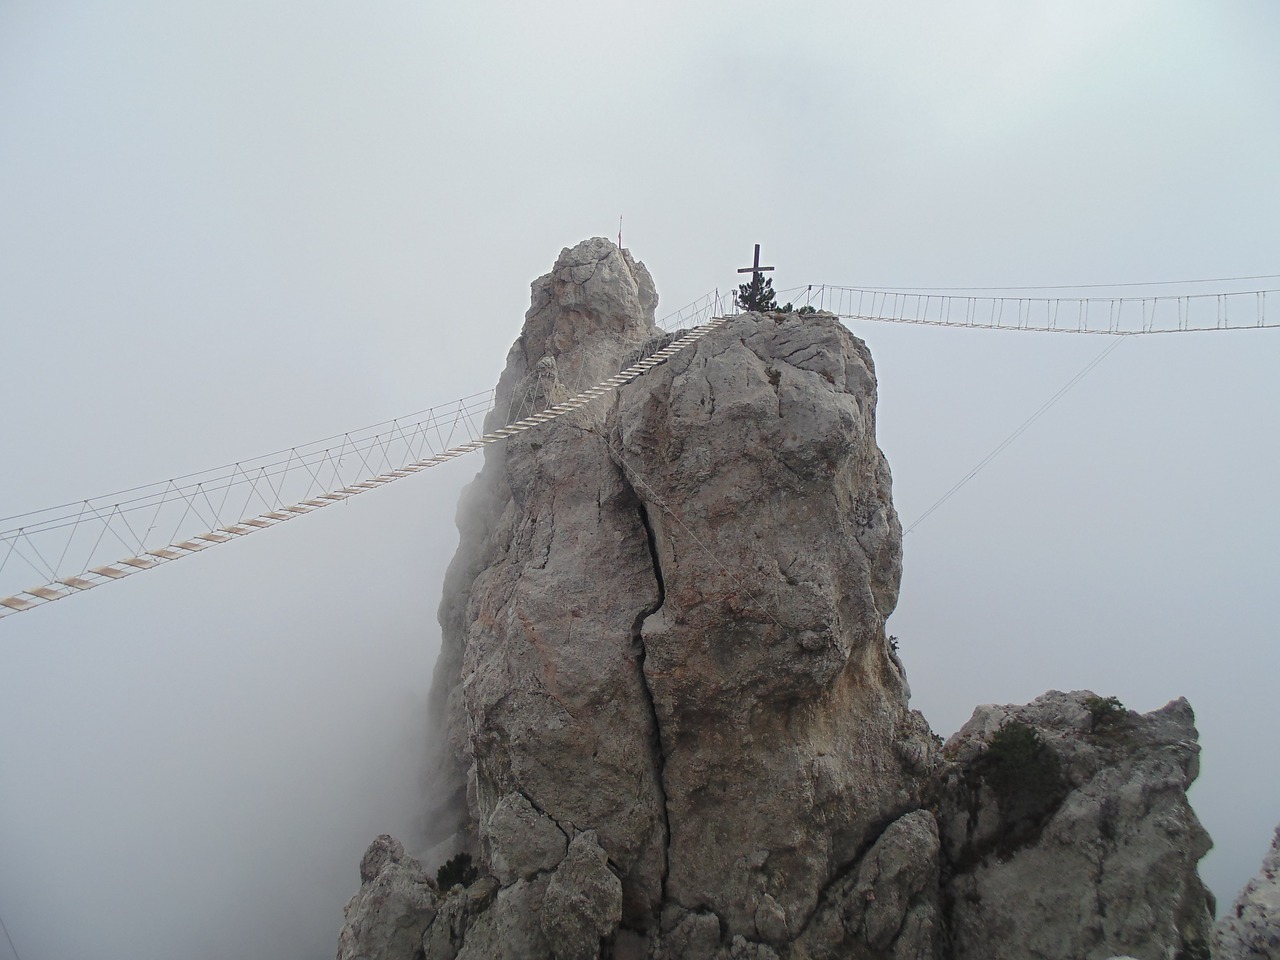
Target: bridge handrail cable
[{"x": 263, "y": 470}]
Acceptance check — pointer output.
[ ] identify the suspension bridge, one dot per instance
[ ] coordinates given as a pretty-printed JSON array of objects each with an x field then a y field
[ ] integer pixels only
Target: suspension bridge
[{"x": 75, "y": 547}]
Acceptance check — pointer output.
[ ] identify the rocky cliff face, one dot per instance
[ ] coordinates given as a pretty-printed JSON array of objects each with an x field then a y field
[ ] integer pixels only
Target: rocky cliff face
[{"x": 671, "y": 724}]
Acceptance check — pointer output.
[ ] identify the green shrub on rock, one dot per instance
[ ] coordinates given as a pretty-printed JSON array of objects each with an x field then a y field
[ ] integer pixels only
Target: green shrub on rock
[
  {"x": 1025, "y": 774},
  {"x": 458, "y": 869},
  {"x": 1104, "y": 712}
]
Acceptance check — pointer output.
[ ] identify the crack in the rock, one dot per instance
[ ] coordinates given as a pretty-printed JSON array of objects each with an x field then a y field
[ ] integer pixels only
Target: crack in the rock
[
  {"x": 541, "y": 810},
  {"x": 799, "y": 349},
  {"x": 637, "y": 642},
  {"x": 1099, "y": 902}
]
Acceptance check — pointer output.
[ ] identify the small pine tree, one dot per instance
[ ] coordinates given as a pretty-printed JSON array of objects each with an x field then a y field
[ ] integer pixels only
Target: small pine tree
[
  {"x": 458, "y": 870},
  {"x": 757, "y": 295}
]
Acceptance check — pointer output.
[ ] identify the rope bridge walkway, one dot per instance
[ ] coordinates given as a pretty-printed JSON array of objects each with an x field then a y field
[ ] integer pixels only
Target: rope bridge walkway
[
  {"x": 66, "y": 545},
  {"x": 1108, "y": 316},
  {"x": 71, "y": 548}
]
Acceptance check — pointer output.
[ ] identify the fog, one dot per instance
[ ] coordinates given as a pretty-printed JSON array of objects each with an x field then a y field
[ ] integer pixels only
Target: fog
[{"x": 231, "y": 228}]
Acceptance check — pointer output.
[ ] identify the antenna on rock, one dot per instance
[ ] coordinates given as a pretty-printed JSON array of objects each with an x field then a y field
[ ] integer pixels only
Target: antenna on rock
[{"x": 619, "y": 231}]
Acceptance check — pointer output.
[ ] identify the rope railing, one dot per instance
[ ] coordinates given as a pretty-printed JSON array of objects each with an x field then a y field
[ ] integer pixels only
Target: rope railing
[
  {"x": 73, "y": 539},
  {"x": 377, "y": 456},
  {"x": 66, "y": 546},
  {"x": 1106, "y": 315}
]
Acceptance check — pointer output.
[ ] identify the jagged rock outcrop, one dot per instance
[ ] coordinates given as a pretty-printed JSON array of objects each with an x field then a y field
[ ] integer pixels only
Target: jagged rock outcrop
[
  {"x": 1067, "y": 832},
  {"x": 583, "y": 903},
  {"x": 786, "y": 743},
  {"x": 1250, "y": 928},
  {"x": 670, "y": 723},
  {"x": 395, "y": 905},
  {"x": 539, "y": 664},
  {"x": 722, "y": 708}
]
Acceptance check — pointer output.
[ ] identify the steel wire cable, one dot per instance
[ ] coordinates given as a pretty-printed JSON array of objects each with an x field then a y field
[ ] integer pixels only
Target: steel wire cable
[
  {"x": 1083, "y": 286},
  {"x": 1021, "y": 429}
]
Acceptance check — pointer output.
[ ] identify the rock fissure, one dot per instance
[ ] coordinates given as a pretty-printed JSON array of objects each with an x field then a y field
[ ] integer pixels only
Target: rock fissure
[
  {"x": 640, "y": 652},
  {"x": 808, "y": 349},
  {"x": 542, "y": 810},
  {"x": 1100, "y": 903}
]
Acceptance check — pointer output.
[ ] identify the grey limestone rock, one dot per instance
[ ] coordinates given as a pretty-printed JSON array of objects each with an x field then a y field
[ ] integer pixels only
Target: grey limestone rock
[
  {"x": 694, "y": 935},
  {"x": 537, "y": 685},
  {"x": 890, "y": 905},
  {"x": 505, "y": 926},
  {"x": 384, "y": 849},
  {"x": 1250, "y": 928},
  {"x": 1068, "y": 832},
  {"x": 477, "y": 921},
  {"x": 521, "y": 841},
  {"x": 740, "y": 948},
  {"x": 786, "y": 740},
  {"x": 665, "y": 620},
  {"x": 385, "y": 920}
]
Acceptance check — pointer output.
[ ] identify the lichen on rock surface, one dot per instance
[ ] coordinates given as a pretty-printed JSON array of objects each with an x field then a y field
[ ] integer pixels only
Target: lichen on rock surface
[{"x": 669, "y": 723}]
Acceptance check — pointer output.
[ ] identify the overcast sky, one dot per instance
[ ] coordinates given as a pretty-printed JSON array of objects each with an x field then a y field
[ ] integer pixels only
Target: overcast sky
[{"x": 232, "y": 227}]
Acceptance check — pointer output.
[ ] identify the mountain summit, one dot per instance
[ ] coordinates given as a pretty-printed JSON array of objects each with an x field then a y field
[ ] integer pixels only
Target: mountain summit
[{"x": 669, "y": 722}]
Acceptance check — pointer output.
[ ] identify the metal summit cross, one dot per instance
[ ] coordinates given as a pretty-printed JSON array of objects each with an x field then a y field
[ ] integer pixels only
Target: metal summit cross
[{"x": 755, "y": 269}]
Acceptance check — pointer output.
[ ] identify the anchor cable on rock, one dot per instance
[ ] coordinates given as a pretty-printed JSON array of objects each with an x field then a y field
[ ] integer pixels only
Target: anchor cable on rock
[{"x": 1022, "y": 428}]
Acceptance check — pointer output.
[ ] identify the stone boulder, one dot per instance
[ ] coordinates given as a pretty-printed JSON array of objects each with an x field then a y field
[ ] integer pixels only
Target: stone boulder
[
  {"x": 890, "y": 905},
  {"x": 485, "y": 922},
  {"x": 583, "y": 903},
  {"x": 1067, "y": 832},
  {"x": 521, "y": 841}
]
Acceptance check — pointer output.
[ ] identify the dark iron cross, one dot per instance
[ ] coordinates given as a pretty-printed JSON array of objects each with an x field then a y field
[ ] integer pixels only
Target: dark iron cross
[{"x": 755, "y": 269}]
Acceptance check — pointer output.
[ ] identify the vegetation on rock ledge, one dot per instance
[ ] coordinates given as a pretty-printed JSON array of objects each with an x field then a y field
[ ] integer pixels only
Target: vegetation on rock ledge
[{"x": 458, "y": 869}]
